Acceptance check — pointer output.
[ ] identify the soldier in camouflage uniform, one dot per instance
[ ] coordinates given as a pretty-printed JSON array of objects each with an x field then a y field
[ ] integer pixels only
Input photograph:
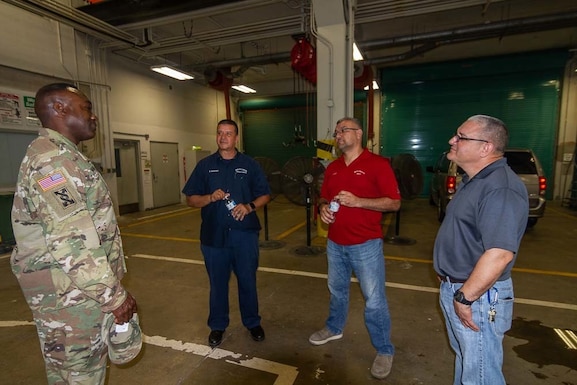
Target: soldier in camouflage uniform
[{"x": 68, "y": 258}]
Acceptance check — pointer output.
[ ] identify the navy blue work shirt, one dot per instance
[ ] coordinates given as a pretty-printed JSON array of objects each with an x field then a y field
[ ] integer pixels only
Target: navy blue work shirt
[
  {"x": 488, "y": 211},
  {"x": 242, "y": 177}
]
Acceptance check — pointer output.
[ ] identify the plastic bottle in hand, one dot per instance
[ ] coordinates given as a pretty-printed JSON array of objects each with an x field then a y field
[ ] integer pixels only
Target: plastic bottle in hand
[
  {"x": 334, "y": 206},
  {"x": 229, "y": 202}
]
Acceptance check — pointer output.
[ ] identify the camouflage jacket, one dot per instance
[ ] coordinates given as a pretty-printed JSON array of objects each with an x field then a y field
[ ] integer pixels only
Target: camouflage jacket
[{"x": 68, "y": 247}]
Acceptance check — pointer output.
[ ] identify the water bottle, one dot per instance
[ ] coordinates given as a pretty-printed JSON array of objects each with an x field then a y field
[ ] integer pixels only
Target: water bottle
[
  {"x": 229, "y": 202},
  {"x": 334, "y": 206}
]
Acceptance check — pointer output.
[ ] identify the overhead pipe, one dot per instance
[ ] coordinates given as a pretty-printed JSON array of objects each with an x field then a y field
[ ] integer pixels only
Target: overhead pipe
[
  {"x": 404, "y": 56},
  {"x": 514, "y": 26},
  {"x": 282, "y": 57},
  {"x": 393, "y": 9},
  {"x": 198, "y": 13},
  {"x": 225, "y": 36},
  {"x": 429, "y": 40}
]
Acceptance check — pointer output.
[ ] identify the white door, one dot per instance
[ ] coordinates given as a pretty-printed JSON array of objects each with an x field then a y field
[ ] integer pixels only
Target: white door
[{"x": 165, "y": 178}]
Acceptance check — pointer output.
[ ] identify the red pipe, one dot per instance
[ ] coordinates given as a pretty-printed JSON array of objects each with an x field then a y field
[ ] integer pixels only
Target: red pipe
[{"x": 227, "y": 101}]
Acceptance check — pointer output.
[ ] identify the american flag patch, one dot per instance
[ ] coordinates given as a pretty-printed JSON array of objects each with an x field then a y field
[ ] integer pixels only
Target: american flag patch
[{"x": 51, "y": 180}]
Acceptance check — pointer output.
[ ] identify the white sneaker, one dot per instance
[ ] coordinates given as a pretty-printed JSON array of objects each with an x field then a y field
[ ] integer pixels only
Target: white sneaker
[
  {"x": 323, "y": 336},
  {"x": 382, "y": 366}
]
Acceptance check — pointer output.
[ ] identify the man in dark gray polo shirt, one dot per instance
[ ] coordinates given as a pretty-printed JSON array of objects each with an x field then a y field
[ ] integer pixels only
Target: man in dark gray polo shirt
[{"x": 476, "y": 248}]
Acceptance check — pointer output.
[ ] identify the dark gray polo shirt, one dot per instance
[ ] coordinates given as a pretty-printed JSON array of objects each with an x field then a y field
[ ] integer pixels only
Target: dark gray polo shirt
[{"x": 488, "y": 211}]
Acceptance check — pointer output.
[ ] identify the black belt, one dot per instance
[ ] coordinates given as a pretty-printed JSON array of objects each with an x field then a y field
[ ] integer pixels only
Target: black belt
[{"x": 445, "y": 278}]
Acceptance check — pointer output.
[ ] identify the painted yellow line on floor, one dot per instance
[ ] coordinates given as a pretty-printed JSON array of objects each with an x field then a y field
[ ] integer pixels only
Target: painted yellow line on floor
[
  {"x": 190, "y": 240},
  {"x": 402, "y": 286},
  {"x": 123, "y": 233},
  {"x": 288, "y": 232},
  {"x": 416, "y": 260},
  {"x": 160, "y": 217},
  {"x": 286, "y": 374},
  {"x": 545, "y": 272},
  {"x": 561, "y": 213},
  {"x": 168, "y": 259},
  {"x": 183, "y": 210}
]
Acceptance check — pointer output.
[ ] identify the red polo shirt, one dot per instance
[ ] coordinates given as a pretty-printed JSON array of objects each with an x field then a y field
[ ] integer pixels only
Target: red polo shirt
[{"x": 368, "y": 176}]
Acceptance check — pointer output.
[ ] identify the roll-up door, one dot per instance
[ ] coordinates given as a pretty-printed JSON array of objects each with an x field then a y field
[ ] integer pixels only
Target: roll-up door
[{"x": 424, "y": 105}]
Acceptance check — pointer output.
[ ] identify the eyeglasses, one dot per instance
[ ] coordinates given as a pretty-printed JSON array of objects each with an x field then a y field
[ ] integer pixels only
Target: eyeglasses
[
  {"x": 343, "y": 130},
  {"x": 459, "y": 138}
]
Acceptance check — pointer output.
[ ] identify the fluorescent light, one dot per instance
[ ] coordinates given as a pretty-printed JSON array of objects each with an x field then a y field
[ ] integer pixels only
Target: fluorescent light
[
  {"x": 172, "y": 72},
  {"x": 243, "y": 88},
  {"x": 375, "y": 86},
  {"x": 357, "y": 55}
]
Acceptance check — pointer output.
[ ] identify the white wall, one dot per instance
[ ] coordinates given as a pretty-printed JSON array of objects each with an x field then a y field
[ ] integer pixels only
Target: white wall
[
  {"x": 146, "y": 106},
  {"x": 131, "y": 101}
]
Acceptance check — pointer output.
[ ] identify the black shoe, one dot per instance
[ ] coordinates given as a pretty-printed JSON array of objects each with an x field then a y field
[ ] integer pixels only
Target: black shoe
[
  {"x": 257, "y": 333},
  {"x": 215, "y": 338}
]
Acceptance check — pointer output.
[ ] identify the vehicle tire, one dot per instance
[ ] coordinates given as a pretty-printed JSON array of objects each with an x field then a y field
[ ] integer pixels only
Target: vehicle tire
[{"x": 531, "y": 222}]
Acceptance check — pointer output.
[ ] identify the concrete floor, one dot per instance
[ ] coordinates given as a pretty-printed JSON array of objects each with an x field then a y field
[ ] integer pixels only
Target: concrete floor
[{"x": 168, "y": 279}]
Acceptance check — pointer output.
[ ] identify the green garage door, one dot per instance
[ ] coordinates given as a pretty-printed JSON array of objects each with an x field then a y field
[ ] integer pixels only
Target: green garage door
[
  {"x": 423, "y": 105},
  {"x": 283, "y": 127}
]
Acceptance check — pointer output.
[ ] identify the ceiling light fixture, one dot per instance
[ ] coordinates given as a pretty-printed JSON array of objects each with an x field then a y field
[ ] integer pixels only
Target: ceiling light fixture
[
  {"x": 172, "y": 72},
  {"x": 357, "y": 55},
  {"x": 375, "y": 86},
  {"x": 243, "y": 88}
]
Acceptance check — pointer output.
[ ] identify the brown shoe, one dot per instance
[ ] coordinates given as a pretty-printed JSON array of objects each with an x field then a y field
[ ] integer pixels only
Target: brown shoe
[{"x": 382, "y": 366}]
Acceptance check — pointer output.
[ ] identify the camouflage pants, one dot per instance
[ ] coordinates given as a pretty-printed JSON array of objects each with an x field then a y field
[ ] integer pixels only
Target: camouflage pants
[{"x": 71, "y": 343}]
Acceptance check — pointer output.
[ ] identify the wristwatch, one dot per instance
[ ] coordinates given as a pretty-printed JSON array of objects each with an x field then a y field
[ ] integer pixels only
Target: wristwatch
[
  {"x": 252, "y": 206},
  {"x": 460, "y": 297}
]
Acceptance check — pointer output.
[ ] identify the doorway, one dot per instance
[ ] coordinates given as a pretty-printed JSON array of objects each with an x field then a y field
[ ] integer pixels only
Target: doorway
[
  {"x": 127, "y": 176},
  {"x": 165, "y": 174}
]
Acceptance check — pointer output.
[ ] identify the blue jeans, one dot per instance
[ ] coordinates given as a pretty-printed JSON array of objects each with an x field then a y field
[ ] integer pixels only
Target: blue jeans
[
  {"x": 241, "y": 256},
  {"x": 367, "y": 261},
  {"x": 479, "y": 355}
]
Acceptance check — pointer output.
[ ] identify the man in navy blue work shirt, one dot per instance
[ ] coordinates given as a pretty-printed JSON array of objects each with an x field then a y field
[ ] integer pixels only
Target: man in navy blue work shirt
[
  {"x": 476, "y": 248},
  {"x": 229, "y": 186}
]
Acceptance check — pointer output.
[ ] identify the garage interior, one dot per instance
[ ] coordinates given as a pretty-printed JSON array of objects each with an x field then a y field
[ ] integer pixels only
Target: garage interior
[{"x": 435, "y": 63}]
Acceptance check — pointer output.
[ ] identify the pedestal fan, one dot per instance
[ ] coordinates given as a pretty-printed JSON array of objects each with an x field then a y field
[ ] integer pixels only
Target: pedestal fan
[{"x": 302, "y": 178}]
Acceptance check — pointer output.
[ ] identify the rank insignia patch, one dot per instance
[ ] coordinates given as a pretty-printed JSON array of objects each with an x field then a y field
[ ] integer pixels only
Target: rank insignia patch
[
  {"x": 51, "y": 181},
  {"x": 64, "y": 197}
]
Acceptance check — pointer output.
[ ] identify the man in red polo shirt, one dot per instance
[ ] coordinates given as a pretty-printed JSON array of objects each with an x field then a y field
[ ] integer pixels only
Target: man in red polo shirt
[{"x": 360, "y": 186}]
